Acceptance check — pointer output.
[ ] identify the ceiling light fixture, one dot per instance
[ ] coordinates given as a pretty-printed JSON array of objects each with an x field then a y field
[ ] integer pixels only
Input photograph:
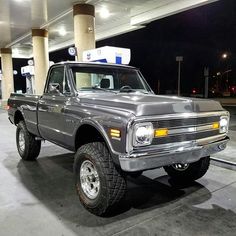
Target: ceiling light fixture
[
  {"x": 16, "y": 51},
  {"x": 62, "y": 32},
  {"x": 104, "y": 13}
]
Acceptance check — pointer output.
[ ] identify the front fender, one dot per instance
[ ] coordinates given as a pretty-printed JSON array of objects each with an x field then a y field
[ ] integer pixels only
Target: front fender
[{"x": 103, "y": 132}]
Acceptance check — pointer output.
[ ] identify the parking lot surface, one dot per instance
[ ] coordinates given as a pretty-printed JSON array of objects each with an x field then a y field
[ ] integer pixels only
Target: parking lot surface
[{"x": 38, "y": 198}]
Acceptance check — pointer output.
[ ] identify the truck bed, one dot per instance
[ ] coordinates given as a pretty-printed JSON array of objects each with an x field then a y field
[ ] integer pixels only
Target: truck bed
[{"x": 28, "y": 105}]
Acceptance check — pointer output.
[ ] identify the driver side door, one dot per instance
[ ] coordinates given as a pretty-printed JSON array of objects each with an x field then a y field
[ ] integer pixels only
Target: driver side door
[{"x": 51, "y": 107}]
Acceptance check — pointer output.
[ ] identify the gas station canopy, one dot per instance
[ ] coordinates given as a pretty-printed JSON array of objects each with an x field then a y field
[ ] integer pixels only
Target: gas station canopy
[{"x": 113, "y": 17}]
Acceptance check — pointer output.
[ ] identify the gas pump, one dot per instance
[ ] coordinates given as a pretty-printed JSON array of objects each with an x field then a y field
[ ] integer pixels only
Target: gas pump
[
  {"x": 28, "y": 72},
  {"x": 108, "y": 54}
]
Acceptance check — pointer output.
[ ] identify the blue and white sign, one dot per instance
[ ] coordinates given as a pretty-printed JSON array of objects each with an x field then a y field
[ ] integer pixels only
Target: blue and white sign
[
  {"x": 27, "y": 70},
  {"x": 72, "y": 51},
  {"x": 108, "y": 54}
]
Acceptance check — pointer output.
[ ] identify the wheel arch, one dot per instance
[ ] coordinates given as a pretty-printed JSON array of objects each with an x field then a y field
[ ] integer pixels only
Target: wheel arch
[
  {"x": 18, "y": 116},
  {"x": 88, "y": 132}
]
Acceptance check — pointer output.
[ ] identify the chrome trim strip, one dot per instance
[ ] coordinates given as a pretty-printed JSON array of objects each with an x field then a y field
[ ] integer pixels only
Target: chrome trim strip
[
  {"x": 170, "y": 146},
  {"x": 211, "y": 139},
  {"x": 182, "y": 115},
  {"x": 152, "y": 160},
  {"x": 164, "y": 147},
  {"x": 191, "y": 129},
  {"x": 129, "y": 134},
  {"x": 173, "y": 145}
]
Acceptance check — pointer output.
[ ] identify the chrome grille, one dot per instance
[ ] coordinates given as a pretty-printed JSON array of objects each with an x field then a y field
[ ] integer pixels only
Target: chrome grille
[
  {"x": 180, "y": 124},
  {"x": 185, "y": 122},
  {"x": 184, "y": 137}
]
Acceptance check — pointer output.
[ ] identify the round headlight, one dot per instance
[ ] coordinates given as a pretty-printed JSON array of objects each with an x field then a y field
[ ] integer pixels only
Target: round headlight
[
  {"x": 143, "y": 134},
  {"x": 224, "y": 123}
]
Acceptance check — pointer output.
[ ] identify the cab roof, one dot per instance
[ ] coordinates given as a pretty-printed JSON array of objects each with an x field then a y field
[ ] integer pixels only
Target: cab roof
[{"x": 93, "y": 64}]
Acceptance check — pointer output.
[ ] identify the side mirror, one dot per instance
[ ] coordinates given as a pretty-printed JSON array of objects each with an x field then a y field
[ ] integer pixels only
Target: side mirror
[{"x": 54, "y": 88}]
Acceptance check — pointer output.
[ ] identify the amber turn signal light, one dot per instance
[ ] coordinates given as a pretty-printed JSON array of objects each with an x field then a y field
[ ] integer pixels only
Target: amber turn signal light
[
  {"x": 115, "y": 133},
  {"x": 160, "y": 133},
  {"x": 216, "y": 125}
]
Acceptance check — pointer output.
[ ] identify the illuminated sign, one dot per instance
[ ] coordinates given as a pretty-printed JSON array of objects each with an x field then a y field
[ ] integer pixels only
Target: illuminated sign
[{"x": 108, "y": 55}]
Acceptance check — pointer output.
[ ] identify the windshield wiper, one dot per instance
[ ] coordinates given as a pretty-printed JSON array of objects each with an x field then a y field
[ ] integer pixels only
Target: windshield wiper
[
  {"x": 126, "y": 89},
  {"x": 130, "y": 90},
  {"x": 103, "y": 89}
]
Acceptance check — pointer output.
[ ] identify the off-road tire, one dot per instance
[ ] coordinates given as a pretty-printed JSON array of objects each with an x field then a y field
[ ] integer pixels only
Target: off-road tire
[
  {"x": 112, "y": 181},
  {"x": 194, "y": 171},
  {"x": 32, "y": 146}
]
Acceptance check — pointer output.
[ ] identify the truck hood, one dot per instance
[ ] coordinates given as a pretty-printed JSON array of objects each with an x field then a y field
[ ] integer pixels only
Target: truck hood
[{"x": 150, "y": 104}]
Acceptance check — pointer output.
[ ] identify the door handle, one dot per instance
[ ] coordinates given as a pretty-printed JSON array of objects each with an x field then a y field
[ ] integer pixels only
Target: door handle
[
  {"x": 42, "y": 102},
  {"x": 67, "y": 103}
]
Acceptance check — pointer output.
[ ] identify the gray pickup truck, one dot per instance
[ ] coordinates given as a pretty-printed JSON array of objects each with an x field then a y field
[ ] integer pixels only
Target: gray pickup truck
[{"x": 109, "y": 116}]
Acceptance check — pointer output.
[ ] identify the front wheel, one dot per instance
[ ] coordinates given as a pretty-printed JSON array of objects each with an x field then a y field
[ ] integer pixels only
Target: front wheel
[
  {"x": 99, "y": 183},
  {"x": 27, "y": 146},
  {"x": 188, "y": 172}
]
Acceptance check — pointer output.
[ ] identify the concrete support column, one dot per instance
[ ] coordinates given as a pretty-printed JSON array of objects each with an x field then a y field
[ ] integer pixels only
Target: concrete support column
[
  {"x": 7, "y": 74},
  {"x": 41, "y": 58},
  {"x": 84, "y": 27}
]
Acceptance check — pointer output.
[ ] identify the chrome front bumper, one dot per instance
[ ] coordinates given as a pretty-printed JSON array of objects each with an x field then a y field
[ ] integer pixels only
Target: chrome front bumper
[{"x": 155, "y": 159}]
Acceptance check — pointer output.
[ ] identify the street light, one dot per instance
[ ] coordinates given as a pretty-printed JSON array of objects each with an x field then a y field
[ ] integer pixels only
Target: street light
[
  {"x": 224, "y": 55},
  {"x": 179, "y": 59},
  {"x": 206, "y": 75}
]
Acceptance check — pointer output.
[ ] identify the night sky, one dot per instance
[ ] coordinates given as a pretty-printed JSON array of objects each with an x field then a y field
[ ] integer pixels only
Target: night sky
[{"x": 200, "y": 35}]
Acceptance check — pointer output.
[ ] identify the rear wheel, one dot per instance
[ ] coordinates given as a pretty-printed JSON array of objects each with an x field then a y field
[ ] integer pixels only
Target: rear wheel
[
  {"x": 27, "y": 146},
  {"x": 188, "y": 172},
  {"x": 99, "y": 183}
]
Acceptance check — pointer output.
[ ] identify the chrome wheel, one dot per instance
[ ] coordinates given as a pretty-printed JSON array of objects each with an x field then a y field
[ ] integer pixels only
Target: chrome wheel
[
  {"x": 22, "y": 140},
  {"x": 89, "y": 179},
  {"x": 180, "y": 167}
]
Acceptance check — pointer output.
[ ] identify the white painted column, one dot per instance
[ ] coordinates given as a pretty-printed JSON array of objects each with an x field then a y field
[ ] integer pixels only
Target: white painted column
[
  {"x": 84, "y": 28},
  {"x": 7, "y": 74},
  {"x": 41, "y": 58}
]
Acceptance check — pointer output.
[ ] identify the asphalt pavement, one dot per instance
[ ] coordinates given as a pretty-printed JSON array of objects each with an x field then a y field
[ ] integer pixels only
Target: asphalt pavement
[{"x": 38, "y": 198}]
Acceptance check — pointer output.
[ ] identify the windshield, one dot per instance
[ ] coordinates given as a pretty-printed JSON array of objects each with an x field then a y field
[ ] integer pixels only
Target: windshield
[{"x": 108, "y": 79}]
